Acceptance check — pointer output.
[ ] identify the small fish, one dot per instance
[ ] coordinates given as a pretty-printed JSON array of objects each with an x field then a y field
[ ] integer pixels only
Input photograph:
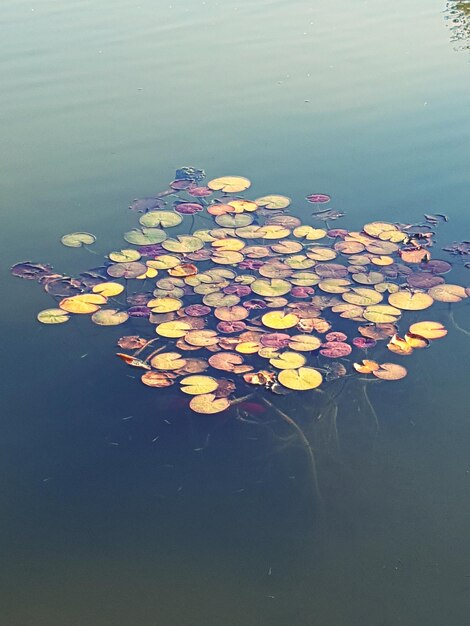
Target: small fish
[
  {"x": 129, "y": 417},
  {"x": 155, "y": 438},
  {"x": 167, "y": 422}
]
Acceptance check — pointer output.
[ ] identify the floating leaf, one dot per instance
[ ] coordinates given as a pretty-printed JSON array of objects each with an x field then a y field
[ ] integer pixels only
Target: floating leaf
[
  {"x": 362, "y": 296},
  {"x": 125, "y": 256},
  {"x": 414, "y": 255},
  {"x": 30, "y": 271},
  {"x": 381, "y": 314},
  {"x": 52, "y": 316},
  {"x": 273, "y": 202},
  {"x": 158, "y": 379},
  {"x": 243, "y": 205},
  {"x": 270, "y": 287},
  {"x": 209, "y": 404},
  {"x": 126, "y": 270},
  {"x": 302, "y": 379},
  {"x": 279, "y": 320},
  {"x": 309, "y": 233},
  {"x": 183, "y": 244},
  {"x": 378, "y": 331},
  {"x": 334, "y": 285},
  {"x": 335, "y": 349},
  {"x": 410, "y": 301},
  {"x": 399, "y": 345},
  {"x": 447, "y": 293},
  {"x": 145, "y": 236},
  {"x": 288, "y": 361},
  {"x": 428, "y": 330},
  {"x": 173, "y": 329},
  {"x": 77, "y": 240},
  {"x": 197, "y": 385},
  {"x": 390, "y": 371},
  {"x": 416, "y": 341},
  {"x": 366, "y": 366},
  {"x": 109, "y": 317},
  {"x": 318, "y": 198},
  {"x": 167, "y": 361},
  {"x": 201, "y": 338},
  {"x": 108, "y": 289},
  {"x": 163, "y": 219},
  {"x": 82, "y": 304},
  {"x": 226, "y": 361},
  {"x": 229, "y": 184},
  {"x": 188, "y": 208},
  {"x": 304, "y": 343},
  {"x": 132, "y": 342}
]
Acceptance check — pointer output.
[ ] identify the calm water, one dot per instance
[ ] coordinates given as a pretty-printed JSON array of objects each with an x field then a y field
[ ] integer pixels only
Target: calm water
[{"x": 100, "y": 103}]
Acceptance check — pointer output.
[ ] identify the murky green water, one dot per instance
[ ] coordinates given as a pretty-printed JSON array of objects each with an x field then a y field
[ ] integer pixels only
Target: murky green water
[{"x": 100, "y": 103}]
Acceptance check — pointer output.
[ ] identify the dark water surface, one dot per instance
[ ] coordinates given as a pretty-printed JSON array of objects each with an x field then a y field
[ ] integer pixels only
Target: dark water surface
[{"x": 100, "y": 102}]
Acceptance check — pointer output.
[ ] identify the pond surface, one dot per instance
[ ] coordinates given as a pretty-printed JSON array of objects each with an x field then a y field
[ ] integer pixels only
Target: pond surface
[{"x": 119, "y": 508}]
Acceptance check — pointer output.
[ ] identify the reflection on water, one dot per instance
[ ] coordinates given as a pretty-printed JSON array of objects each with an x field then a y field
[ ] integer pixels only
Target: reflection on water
[
  {"x": 118, "y": 509},
  {"x": 458, "y": 19}
]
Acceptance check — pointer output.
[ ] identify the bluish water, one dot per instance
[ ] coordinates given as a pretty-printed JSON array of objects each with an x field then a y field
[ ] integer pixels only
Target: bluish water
[{"x": 100, "y": 103}]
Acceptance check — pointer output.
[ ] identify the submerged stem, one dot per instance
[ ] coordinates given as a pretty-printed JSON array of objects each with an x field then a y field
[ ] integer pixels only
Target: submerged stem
[
  {"x": 372, "y": 410},
  {"x": 313, "y": 466},
  {"x": 452, "y": 319}
]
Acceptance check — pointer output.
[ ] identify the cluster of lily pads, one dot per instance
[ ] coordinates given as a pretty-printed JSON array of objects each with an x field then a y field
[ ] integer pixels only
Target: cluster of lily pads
[{"x": 255, "y": 293}]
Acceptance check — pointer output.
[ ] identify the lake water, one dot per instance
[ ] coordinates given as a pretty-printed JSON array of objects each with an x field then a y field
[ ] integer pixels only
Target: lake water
[{"x": 103, "y": 524}]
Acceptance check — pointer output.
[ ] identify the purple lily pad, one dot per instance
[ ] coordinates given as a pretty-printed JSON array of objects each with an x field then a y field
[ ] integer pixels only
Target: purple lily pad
[
  {"x": 153, "y": 249},
  {"x": 200, "y": 255},
  {"x": 422, "y": 280},
  {"x": 64, "y": 287},
  {"x": 188, "y": 208},
  {"x": 200, "y": 192},
  {"x": 335, "y": 233},
  {"x": 335, "y": 336},
  {"x": 331, "y": 270},
  {"x": 251, "y": 264},
  {"x": 395, "y": 269},
  {"x": 255, "y": 304},
  {"x": 364, "y": 343},
  {"x": 238, "y": 290},
  {"x": 139, "y": 299},
  {"x": 302, "y": 292},
  {"x": 139, "y": 311},
  {"x": 318, "y": 198},
  {"x": 275, "y": 340},
  {"x": 436, "y": 266},
  {"x": 179, "y": 185},
  {"x": 231, "y": 327},
  {"x": 197, "y": 310},
  {"x": 30, "y": 270},
  {"x": 335, "y": 349}
]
